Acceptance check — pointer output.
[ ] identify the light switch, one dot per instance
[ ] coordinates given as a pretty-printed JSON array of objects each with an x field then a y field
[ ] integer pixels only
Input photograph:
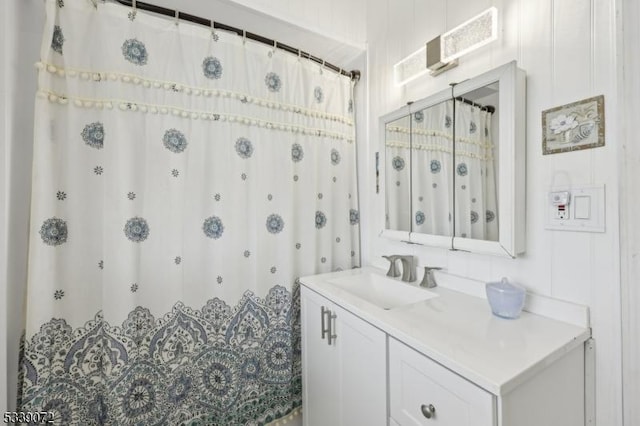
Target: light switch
[
  {"x": 584, "y": 211},
  {"x": 582, "y": 207}
]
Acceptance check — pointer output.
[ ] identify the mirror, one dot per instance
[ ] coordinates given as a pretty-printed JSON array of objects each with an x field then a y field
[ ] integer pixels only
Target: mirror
[
  {"x": 462, "y": 151},
  {"x": 476, "y": 196},
  {"x": 431, "y": 173},
  {"x": 398, "y": 174}
]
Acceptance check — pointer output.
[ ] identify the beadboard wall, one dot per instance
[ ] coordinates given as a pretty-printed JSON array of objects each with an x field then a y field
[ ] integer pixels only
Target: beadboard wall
[
  {"x": 630, "y": 210},
  {"x": 568, "y": 50}
]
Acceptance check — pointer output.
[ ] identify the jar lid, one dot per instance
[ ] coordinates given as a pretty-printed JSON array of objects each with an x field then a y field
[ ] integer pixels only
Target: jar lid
[{"x": 504, "y": 286}]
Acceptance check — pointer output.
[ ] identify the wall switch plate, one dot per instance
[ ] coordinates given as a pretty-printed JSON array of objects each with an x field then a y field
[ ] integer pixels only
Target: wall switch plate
[{"x": 583, "y": 211}]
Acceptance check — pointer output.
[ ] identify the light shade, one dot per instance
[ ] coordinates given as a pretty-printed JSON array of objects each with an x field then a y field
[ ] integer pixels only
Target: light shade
[
  {"x": 472, "y": 34},
  {"x": 411, "y": 67}
]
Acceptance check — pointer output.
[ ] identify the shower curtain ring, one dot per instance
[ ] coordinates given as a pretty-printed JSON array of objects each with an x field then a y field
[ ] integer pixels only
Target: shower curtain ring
[
  {"x": 244, "y": 37},
  {"x": 177, "y": 21},
  {"x": 214, "y": 36},
  {"x": 134, "y": 10},
  {"x": 275, "y": 46},
  {"x": 299, "y": 54}
]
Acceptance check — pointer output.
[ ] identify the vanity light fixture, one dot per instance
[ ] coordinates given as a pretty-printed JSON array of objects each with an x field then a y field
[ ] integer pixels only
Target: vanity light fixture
[
  {"x": 471, "y": 35},
  {"x": 411, "y": 67},
  {"x": 442, "y": 53}
]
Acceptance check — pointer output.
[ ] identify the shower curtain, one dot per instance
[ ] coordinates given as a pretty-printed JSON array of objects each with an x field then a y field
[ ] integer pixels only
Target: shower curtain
[{"x": 183, "y": 179}]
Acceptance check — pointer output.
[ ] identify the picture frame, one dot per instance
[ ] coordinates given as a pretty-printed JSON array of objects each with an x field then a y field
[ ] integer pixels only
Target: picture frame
[{"x": 575, "y": 126}]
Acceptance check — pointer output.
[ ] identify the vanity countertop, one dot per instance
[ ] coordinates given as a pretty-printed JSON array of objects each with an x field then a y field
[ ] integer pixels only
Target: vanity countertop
[{"x": 460, "y": 332}]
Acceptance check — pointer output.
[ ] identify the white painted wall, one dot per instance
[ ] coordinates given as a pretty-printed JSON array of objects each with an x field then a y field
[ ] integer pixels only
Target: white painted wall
[
  {"x": 338, "y": 19},
  {"x": 629, "y": 92},
  {"x": 3, "y": 212},
  {"x": 568, "y": 49},
  {"x": 23, "y": 33},
  {"x": 313, "y": 26}
]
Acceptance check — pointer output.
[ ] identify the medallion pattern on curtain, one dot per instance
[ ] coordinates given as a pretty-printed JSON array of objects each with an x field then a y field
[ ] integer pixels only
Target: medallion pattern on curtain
[{"x": 183, "y": 180}]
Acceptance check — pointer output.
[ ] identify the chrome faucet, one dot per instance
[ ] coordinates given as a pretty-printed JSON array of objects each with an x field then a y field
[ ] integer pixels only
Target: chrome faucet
[
  {"x": 393, "y": 267},
  {"x": 429, "y": 280},
  {"x": 408, "y": 268}
]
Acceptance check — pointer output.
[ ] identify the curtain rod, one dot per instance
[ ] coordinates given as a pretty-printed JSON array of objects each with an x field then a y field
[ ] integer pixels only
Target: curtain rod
[
  {"x": 354, "y": 74},
  {"x": 489, "y": 108}
]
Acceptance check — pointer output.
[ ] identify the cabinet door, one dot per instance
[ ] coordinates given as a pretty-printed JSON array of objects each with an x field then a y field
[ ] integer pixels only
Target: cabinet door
[
  {"x": 422, "y": 392},
  {"x": 362, "y": 357},
  {"x": 320, "y": 387}
]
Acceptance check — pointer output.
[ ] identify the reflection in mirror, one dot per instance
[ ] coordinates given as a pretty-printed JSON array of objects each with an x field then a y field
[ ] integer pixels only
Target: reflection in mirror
[
  {"x": 431, "y": 165},
  {"x": 476, "y": 199},
  {"x": 398, "y": 174}
]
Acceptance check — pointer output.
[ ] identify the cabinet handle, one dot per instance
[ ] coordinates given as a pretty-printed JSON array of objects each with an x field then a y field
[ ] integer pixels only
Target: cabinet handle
[
  {"x": 323, "y": 329},
  {"x": 331, "y": 336},
  {"x": 428, "y": 410}
]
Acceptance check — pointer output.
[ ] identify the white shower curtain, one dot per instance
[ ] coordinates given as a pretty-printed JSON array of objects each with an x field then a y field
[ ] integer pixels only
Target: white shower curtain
[{"x": 183, "y": 179}]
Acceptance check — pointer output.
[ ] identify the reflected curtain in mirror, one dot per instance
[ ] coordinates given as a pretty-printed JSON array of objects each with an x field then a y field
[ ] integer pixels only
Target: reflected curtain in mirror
[
  {"x": 398, "y": 174},
  {"x": 475, "y": 175},
  {"x": 432, "y": 175}
]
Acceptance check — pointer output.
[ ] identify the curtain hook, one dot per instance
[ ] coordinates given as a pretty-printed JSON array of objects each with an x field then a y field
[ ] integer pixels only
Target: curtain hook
[
  {"x": 299, "y": 54},
  {"x": 214, "y": 36},
  {"x": 134, "y": 11},
  {"x": 177, "y": 22},
  {"x": 244, "y": 37},
  {"x": 273, "y": 51},
  {"x": 322, "y": 66}
]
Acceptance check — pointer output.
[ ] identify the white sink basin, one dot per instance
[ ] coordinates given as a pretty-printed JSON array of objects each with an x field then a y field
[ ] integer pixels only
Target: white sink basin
[{"x": 381, "y": 291}]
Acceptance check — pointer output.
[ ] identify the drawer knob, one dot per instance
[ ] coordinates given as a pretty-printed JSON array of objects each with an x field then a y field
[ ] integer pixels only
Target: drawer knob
[{"x": 428, "y": 410}]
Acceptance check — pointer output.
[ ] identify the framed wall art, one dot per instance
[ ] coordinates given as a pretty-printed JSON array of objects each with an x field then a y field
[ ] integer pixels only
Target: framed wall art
[{"x": 575, "y": 126}]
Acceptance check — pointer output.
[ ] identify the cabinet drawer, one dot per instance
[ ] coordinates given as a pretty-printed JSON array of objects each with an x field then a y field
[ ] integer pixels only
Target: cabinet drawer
[{"x": 422, "y": 392}]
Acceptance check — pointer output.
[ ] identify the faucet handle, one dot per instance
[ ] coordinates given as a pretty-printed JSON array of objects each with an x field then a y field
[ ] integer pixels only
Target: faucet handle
[
  {"x": 428, "y": 280},
  {"x": 393, "y": 269}
]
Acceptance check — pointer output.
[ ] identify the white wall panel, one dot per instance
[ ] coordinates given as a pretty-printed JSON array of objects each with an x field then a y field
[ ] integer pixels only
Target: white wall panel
[{"x": 630, "y": 207}]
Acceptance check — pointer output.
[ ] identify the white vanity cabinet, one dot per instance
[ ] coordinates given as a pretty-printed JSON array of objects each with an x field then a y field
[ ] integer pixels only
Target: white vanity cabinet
[
  {"x": 344, "y": 366},
  {"x": 424, "y": 393},
  {"x": 442, "y": 361}
]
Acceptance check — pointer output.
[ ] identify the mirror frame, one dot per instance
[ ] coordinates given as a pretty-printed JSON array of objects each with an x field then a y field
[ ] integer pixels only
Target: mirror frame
[{"x": 511, "y": 157}]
